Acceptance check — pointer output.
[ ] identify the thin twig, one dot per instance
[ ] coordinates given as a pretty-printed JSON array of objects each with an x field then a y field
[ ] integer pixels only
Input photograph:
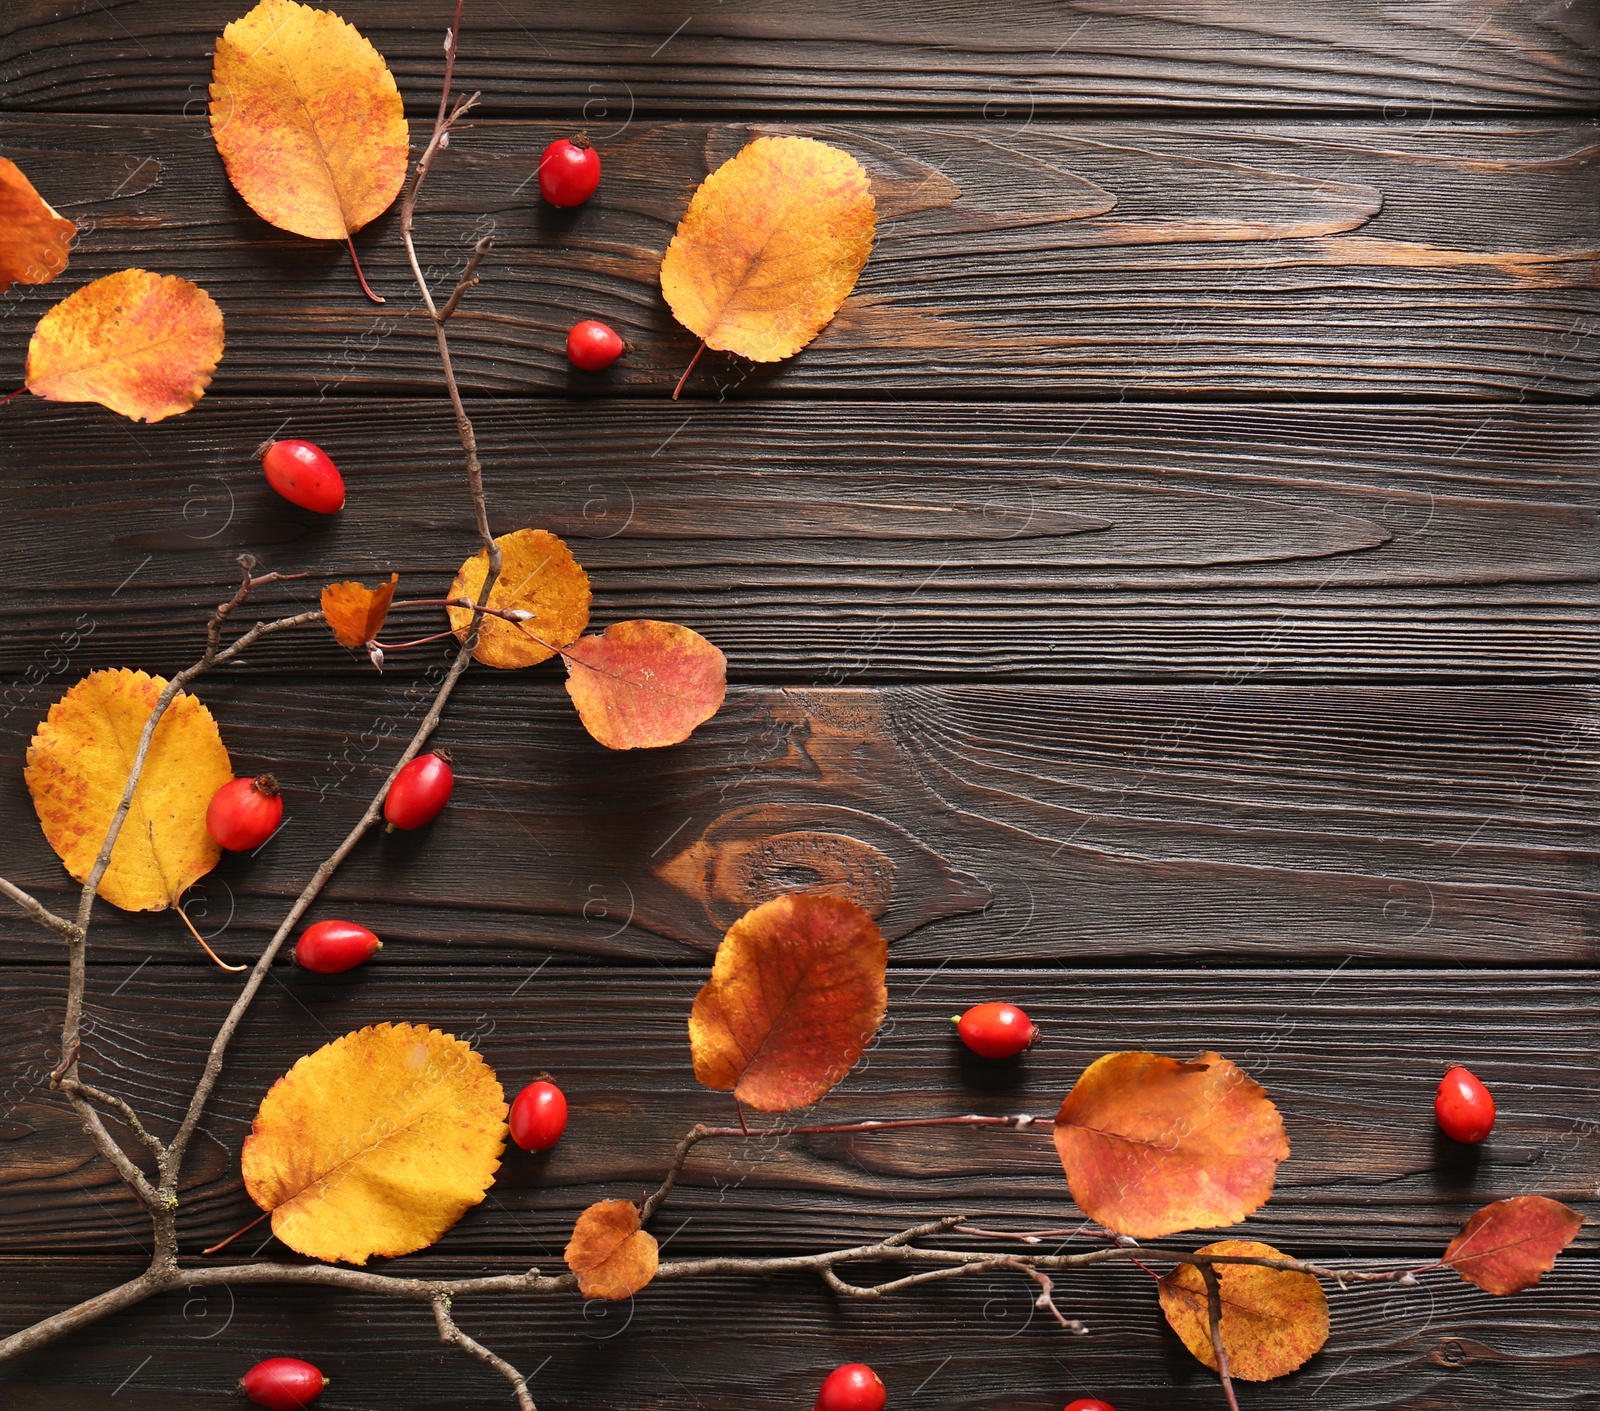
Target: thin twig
[
  {"x": 1214, "y": 1317},
  {"x": 40, "y": 912},
  {"x": 449, "y": 1332},
  {"x": 469, "y": 277}
]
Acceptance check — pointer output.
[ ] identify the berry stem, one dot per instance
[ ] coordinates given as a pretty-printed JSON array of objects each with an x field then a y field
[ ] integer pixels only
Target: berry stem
[
  {"x": 184, "y": 917},
  {"x": 692, "y": 361}
]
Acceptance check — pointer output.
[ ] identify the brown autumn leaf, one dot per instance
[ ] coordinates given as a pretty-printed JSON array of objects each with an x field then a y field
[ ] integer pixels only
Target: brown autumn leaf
[
  {"x": 377, "y": 1143},
  {"x": 795, "y": 995},
  {"x": 770, "y": 247},
  {"x": 644, "y": 684},
  {"x": 142, "y": 344},
  {"x": 538, "y": 576},
  {"x": 308, "y": 120},
  {"x": 1505, "y": 1247},
  {"x": 612, "y": 1257},
  {"x": 1155, "y": 1145},
  {"x": 1273, "y": 1320},
  {"x": 78, "y": 768},
  {"x": 34, "y": 240},
  {"x": 356, "y": 612}
]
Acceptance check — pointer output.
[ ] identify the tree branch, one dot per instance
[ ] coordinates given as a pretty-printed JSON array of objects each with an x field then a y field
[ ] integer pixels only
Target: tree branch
[
  {"x": 1214, "y": 1317},
  {"x": 449, "y": 1332},
  {"x": 39, "y": 912}
]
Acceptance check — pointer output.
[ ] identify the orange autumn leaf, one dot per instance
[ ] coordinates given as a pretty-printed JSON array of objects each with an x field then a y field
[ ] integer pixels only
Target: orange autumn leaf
[
  {"x": 770, "y": 247},
  {"x": 1154, "y": 1145},
  {"x": 356, "y": 612},
  {"x": 34, "y": 240},
  {"x": 377, "y": 1143},
  {"x": 538, "y": 576},
  {"x": 644, "y": 684},
  {"x": 142, "y": 344},
  {"x": 795, "y": 995},
  {"x": 1273, "y": 1320},
  {"x": 77, "y": 770},
  {"x": 308, "y": 120},
  {"x": 612, "y": 1257},
  {"x": 1505, "y": 1247}
]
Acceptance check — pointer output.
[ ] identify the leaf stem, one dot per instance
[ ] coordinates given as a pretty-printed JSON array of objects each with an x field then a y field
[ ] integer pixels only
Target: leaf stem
[
  {"x": 692, "y": 361},
  {"x": 183, "y": 916},
  {"x": 365, "y": 287}
]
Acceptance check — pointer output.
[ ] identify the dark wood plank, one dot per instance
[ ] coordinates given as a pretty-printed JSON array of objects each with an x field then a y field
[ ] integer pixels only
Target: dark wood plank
[
  {"x": 1127, "y": 260},
  {"x": 602, "y": 62},
  {"x": 980, "y": 824},
  {"x": 731, "y": 1343},
  {"x": 1352, "y": 1058},
  {"x": 857, "y": 541}
]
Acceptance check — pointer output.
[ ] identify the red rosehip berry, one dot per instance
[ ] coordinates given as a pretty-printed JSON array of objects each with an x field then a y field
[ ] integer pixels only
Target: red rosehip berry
[
  {"x": 282, "y": 1384},
  {"x": 538, "y": 1116},
  {"x": 420, "y": 791},
  {"x": 569, "y": 171},
  {"x": 1464, "y": 1107},
  {"x": 594, "y": 346},
  {"x": 996, "y": 1030},
  {"x": 244, "y": 813},
  {"x": 1090, "y": 1403},
  {"x": 852, "y": 1387},
  {"x": 330, "y": 947},
  {"x": 303, "y": 474}
]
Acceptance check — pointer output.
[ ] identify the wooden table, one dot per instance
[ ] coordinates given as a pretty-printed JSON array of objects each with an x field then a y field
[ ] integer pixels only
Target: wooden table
[{"x": 1165, "y": 594}]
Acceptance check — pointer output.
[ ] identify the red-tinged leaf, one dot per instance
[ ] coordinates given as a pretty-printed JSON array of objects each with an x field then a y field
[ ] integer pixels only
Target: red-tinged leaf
[
  {"x": 612, "y": 1257},
  {"x": 1504, "y": 1247},
  {"x": 1155, "y": 1145},
  {"x": 34, "y": 240},
  {"x": 796, "y": 994},
  {"x": 356, "y": 612},
  {"x": 1273, "y": 1320},
  {"x": 644, "y": 684}
]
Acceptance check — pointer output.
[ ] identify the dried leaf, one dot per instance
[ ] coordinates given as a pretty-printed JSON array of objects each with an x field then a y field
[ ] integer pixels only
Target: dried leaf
[
  {"x": 1273, "y": 1320},
  {"x": 142, "y": 344},
  {"x": 796, "y": 993},
  {"x": 34, "y": 240},
  {"x": 308, "y": 120},
  {"x": 1154, "y": 1145},
  {"x": 539, "y": 576},
  {"x": 1504, "y": 1247},
  {"x": 644, "y": 684},
  {"x": 612, "y": 1257},
  {"x": 356, "y": 612},
  {"x": 376, "y": 1143},
  {"x": 770, "y": 247},
  {"x": 78, "y": 768}
]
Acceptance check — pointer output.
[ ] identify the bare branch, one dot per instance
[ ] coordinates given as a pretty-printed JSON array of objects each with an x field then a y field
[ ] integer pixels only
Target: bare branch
[
  {"x": 40, "y": 912},
  {"x": 469, "y": 277},
  {"x": 449, "y": 1332},
  {"x": 1214, "y": 1316},
  {"x": 116, "y": 1104}
]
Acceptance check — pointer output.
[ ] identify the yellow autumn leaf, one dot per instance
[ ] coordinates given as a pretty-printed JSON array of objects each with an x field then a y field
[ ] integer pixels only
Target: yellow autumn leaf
[
  {"x": 377, "y": 1143},
  {"x": 34, "y": 240},
  {"x": 770, "y": 247},
  {"x": 308, "y": 120},
  {"x": 141, "y": 344},
  {"x": 78, "y": 768},
  {"x": 538, "y": 576}
]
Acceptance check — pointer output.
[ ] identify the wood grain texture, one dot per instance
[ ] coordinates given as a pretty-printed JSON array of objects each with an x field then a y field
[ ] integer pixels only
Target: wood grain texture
[
  {"x": 729, "y": 1344},
  {"x": 854, "y": 542},
  {"x": 1123, "y": 260},
  {"x": 1351, "y": 1057},
  {"x": 979, "y": 824},
  {"x": 598, "y": 63}
]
